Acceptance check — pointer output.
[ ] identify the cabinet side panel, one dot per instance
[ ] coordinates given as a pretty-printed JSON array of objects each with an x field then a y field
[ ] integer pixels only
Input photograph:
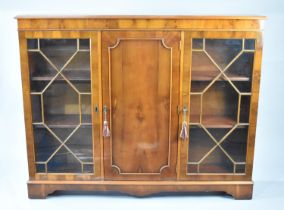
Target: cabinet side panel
[
  {"x": 27, "y": 103},
  {"x": 254, "y": 103}
]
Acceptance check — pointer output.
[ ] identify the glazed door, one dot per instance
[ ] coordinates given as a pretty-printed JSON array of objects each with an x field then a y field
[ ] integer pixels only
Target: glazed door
[
  {"x": 223, "y": 74},
  {"x": 62, "y": 89},
  {"x": 140, "y": 81}
]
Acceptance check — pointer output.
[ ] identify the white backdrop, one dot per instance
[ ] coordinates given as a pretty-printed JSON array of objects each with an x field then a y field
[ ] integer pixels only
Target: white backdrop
[{"x": 269, "y": 155}]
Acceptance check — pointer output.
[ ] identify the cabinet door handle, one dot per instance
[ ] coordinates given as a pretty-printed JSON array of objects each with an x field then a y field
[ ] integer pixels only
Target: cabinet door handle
[
  {"x": 106, "y": 130},
  {"x": 183, "y": 132}
]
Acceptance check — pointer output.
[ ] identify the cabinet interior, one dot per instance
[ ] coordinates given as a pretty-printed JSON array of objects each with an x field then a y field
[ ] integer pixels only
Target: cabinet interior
[
  {"x": 61, "y": 105},
  {"x": 221, "y": 77}
]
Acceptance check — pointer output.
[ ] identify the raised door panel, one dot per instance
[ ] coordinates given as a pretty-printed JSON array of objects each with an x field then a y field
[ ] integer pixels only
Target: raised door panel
[
  {"x": 140, "y": 90},
  {"x": 222, "y": 75}
]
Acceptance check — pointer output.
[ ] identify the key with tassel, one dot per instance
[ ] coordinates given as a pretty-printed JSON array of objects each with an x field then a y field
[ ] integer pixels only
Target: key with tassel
[
  {"x": 184, "y": 132},
  {"x": 106, "y": 130}
]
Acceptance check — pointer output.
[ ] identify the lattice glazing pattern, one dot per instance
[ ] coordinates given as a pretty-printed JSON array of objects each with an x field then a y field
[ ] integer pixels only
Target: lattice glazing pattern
[
  {"x": 221, "y": 77},
  {"x": 61, "y": 104}
]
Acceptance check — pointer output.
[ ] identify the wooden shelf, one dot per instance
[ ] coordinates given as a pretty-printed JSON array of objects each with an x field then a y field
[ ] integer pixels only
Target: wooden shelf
[
  {"x": 214, "y": 121},
  {"x": 210, "y": 75},
  {"x": 65, "y": 121},
  {"x": 64, "y": 49},
  {"x": 72, "y": 75},
  {"x": 211, "y": 169}
]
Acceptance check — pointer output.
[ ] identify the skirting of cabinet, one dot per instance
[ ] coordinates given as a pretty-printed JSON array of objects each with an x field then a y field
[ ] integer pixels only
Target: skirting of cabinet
[{"x": 237, "y": 189}]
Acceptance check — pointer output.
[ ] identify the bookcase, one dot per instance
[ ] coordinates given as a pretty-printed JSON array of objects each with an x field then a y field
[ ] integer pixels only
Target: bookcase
[{"x": 140, "y": 104}]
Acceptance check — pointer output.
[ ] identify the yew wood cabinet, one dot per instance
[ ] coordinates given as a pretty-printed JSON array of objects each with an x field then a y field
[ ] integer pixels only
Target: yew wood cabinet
[{"x": 140, "y": 104}]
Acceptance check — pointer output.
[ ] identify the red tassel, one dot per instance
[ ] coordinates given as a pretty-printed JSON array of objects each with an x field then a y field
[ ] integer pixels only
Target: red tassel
[
  {"x": 183, "y": 133},
  {"x": 106, "y": 131}
]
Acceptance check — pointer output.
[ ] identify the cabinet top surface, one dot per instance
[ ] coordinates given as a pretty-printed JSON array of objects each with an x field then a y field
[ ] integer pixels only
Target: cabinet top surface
[
  {"x": 139, "y": 22},
  {"x": 189, "y": 17}
]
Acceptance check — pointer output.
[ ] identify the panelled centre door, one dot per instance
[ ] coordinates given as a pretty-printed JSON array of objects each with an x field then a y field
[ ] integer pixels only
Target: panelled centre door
[{"x": 140, "y": 88}]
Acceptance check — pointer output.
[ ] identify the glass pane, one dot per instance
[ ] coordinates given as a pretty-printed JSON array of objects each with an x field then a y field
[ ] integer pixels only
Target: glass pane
[
  {"x": 202, "y": 71},
  {"x": 32, "y": 44},
  {"x": 200, "y": 144},
  {"x": 88, "y": 168},
  {"x": 220, "y": 105},
  {"x": 197, "y": 44},
  {"x": 36, "y": 108},
  {"x": 58, "y": 51},
  {"x": 240, "y": 168},
  {"x": 61, "y": 104},
  {"x": 221, "y": 77},
  {"x": 192, "y": 168},
  {"x": 86, "y": 108},
  {"x": 206, "y": 156},
  {"x": 216, "y": 162},
  {"x": 240, "y": 72},
  {"x": 40, "y": 168},
  {"x": 84, "y": 44},
  {"x": 244, "y": 109},
  {"x": 45, "y": 143},
  {"x": 62, "y": 131},
  {"x": 218, "y": 133},
  {"x": 241, "y": 68},
  {"x": 235, "y": 144},
  {"x": 41, "y": 71},
  {"x": 61, "y": 108},
  {"x": 223, "y": 51},
  {"x": 195, "y": 108},
  {"x": 64, "y": 162},
  {"x": 78, "y": 71},
  {"x": 249, "y": 44},
  {"x": 81, "y": 144}
]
